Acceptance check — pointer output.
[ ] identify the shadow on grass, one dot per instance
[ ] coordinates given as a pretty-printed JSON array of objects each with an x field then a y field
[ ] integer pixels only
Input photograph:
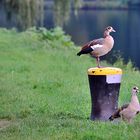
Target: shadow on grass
[{"x": 63, "y": 115}]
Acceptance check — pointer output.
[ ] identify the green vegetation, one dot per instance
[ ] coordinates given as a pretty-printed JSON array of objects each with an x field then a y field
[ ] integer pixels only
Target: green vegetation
[{"x": 44, "y": 93}]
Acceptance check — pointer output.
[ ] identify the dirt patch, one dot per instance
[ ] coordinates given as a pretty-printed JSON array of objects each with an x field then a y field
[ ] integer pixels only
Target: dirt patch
[{"x": 4, "y": 123}]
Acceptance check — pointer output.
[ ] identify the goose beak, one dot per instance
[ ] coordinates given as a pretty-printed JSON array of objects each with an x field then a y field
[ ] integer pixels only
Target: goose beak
[{"x": 113, "y": 30}]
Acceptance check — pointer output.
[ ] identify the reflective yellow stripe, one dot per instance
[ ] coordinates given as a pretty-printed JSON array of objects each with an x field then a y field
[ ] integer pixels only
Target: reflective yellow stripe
[{"x": 104, "y": 71}]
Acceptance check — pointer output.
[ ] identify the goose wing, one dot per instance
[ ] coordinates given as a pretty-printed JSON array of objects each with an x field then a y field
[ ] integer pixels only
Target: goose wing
[
  {"x": 116, "y": 114},
  {"x": 94, "y": 42}
]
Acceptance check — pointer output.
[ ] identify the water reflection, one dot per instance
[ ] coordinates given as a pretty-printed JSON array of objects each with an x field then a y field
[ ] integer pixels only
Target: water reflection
[
  {"x": 28, "y": 13},
  {"x": 24, "y": 13},
  {"x": 133, "y": 32},
  {"x": 62, "y": 9},
  {"x": 61, "y": 12}
]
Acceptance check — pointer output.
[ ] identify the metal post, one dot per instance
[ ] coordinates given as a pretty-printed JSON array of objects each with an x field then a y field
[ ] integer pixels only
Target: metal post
[{"x": 104, "y": 88}]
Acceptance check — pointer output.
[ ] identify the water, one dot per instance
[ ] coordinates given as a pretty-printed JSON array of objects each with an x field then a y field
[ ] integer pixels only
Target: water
[{"x": 89, "y": 24}]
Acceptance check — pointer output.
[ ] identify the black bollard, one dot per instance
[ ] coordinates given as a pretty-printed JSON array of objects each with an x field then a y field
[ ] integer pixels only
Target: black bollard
[{"x": 104, "y": 88}]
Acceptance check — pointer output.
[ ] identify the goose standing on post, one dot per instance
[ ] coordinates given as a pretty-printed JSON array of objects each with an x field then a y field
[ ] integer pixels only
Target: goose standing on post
[
  {"x": 128, "y": 111},
  {"x": 99, "y": 47}
]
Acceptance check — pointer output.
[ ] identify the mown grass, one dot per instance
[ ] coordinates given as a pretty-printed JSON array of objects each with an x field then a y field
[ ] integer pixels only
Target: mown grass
[{"x": 44, "y": 92}]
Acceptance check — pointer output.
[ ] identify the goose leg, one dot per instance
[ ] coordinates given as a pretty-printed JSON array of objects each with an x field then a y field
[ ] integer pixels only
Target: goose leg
[{"x": 98, "y": 62}]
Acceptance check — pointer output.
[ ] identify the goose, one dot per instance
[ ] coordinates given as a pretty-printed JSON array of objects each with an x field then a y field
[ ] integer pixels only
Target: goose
[
  {"x": 128, "y": 111},
  {"x": 99, "y": 47}
]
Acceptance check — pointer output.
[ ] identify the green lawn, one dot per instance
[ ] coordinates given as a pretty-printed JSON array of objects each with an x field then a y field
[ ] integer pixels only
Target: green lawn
[{"x": 44, "y": 91}]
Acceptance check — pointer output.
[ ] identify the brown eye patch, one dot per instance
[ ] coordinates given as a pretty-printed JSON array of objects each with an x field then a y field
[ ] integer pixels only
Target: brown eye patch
[
  {"x": 135, "y": 88},
  {"x": 109, "y": 28}
]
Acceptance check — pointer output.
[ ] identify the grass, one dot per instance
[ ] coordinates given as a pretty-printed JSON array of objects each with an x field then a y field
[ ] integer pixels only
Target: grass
[{"x": 44, "y": 92}]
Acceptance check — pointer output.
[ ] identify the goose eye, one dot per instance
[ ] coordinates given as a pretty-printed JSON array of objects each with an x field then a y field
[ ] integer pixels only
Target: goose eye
[
  {"x": 135, "y": 88},
  {"x": 109, "y": 28}
]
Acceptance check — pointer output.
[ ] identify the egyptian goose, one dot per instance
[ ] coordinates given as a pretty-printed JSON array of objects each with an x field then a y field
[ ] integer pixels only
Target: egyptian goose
[
  {"x": 99, "y": 47},
  {"x": 128, "y": 111}
]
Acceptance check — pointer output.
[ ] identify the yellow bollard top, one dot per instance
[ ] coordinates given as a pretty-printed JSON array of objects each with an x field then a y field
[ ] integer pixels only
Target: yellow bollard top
[{"x": 104, "y": 71}]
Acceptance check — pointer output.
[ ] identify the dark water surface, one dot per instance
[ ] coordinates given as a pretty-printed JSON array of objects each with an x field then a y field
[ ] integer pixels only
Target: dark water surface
[{"x": 89, "y": 24}]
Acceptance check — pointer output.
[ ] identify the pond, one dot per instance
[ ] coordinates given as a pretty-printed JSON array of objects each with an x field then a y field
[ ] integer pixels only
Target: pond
[
  {"x": 85, "y": 25},
  {"x": 89, "y": 24}
]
